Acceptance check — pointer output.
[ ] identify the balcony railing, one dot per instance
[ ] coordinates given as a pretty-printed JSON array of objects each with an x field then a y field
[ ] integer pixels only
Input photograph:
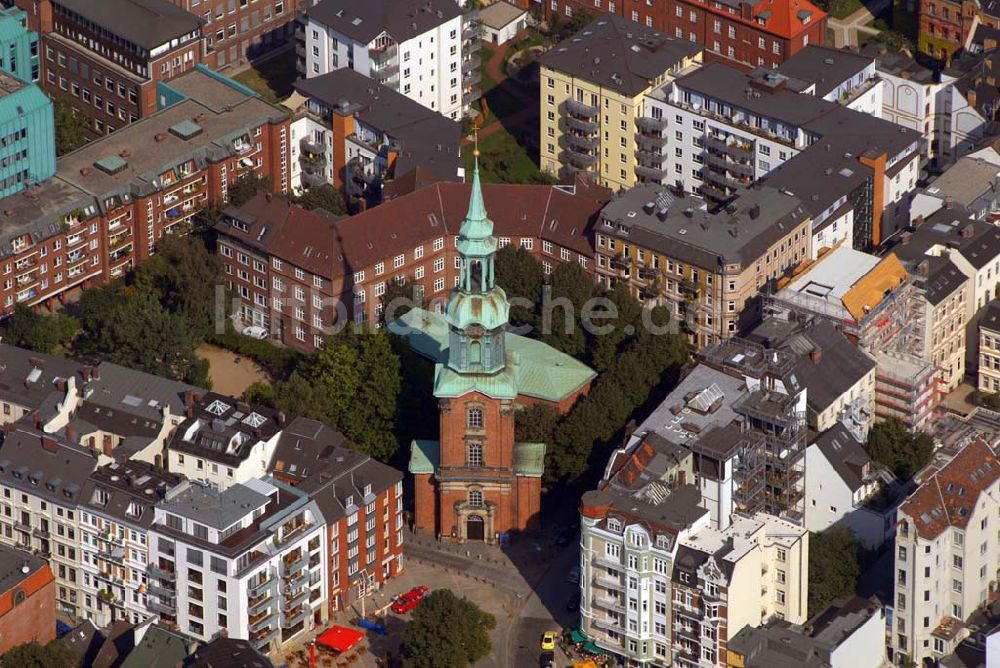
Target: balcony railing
[
  {"x": 296, "y": 616},
  {"x": 587, "y": 127},
  {"x": 262, "y": 620},
  {"x": 580, "y": 109},
  {"x": 648, "y": 124},
  {"x": 582, "y": 141},
  {"x": 604, "y": 562},
  {"x": 580, "y": 158},
  {"x": 734, "y": 148},
  {"x": 607, "y": 603},
  {"x": 290, "y": 567},
  {"x": 471, "y": 63},
  {"x": 309, "y": 146},
  {"x": 649, "y": 141},
  {"x": 650, "y": 157},
  {"x": 163, "y": 608},
  {"x": 160, "y": 573},
  {"x": 652, "y": 173}
]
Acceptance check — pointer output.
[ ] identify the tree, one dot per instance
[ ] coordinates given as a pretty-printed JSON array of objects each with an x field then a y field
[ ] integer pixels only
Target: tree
[
  {"x": 322, "y": 197},
  {"x": 71, "y": 128},
  {"x": 41, "y": 333},
  {"x": 446, "y": 632},
  {"x": 535, "y": 424},
  {"x": 56, "y": 654},
  {"x": 370, "y": 420},
  {"x": 245, "y": 187},
  {"x": 834, "y": 567},
  {"x": 895, "y": 447},
  {"x": 571, "y": 289},
  {"x": 399, "y": 298},
  {"x": 627, "y": 312},
  {"x": 520, "y": 276},
  {"x": 184, "y": 276}
]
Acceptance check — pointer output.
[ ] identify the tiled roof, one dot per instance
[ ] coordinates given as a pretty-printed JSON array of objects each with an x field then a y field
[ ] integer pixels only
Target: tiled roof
[
  {"x": 872, "y": 288},
  {"x": 949, "y": 496}
]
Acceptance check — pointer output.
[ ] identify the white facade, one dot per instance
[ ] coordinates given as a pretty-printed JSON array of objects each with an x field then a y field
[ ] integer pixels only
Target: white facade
[
  {"x": 829, "y": 499},
  {"x": 426, "y": 68},
  {"x": 268, "y": 590},
  {"x": 864, "y": 647},
  {"x": 834, "y": 227},
  {"x": 307, "y": 131},
  {"x": 221, "y": 472}
]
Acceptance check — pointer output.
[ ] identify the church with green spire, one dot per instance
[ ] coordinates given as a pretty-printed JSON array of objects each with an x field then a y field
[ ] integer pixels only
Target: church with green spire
[{"x": 476, "y": 482}]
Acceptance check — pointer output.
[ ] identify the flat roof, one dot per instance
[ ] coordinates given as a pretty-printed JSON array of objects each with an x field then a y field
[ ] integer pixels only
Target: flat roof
[
  {"x": 834, "y": 274},
  {"x": 210, "y": 89},
  {"x": 500, "y": 14},
  {"x": 210, "y": 506},
  {"x": 668, "y": 420},
  {"x": 825, "y": 67},
  {"x": 9, "y": 84},
  {"x": 146, "y": 23}
]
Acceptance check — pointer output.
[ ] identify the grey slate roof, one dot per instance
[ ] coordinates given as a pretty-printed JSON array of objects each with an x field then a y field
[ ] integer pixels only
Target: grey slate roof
[
  {"x": 233, "y": 421},
  {"x": 819, "y": 176},
  {"x": 401, "y": 19},
  {"x": 840, "y": 367},
  {"x": 824, "y": 66},
  {"x": 617, "y": 54},
  {"x": 136, "y": 393},
  {"x": 61, "y": 469},
  {"x": 146, "y": 23},
  {"x": 12, "y": 561},
  {"x": 228, "y": 653},
  {"x": 977, "y": 241},
  {"x": 966, "y": 181},
  {"x": 158, "y": 648},
  {"x": 678, "y": 510},
  {"x": 990, "y": 320},
  {"x": 941, "y": 280},
  {"x": 755, "y": 220},
  {"x": 780, "y": 646},
  {"x": 845, "y": 454},
  {"x": 130, "y": 482},
  {"x": 20, "y": 384},
  {"x": 898, "y": 64},
  {"x": 210, "y": 506},
  {"x": 426, "y": 139}
]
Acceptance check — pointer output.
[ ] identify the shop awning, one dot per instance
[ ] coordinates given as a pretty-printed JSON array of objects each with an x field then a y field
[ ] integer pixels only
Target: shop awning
[
  {"x": 593, "y": 648},
  {"x": 340, "y": 638},
  {"x": 576, "y": 635}
]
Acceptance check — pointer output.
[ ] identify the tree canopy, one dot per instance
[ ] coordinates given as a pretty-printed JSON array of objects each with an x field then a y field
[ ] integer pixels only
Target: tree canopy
[
  {"x": 56, "y": 654},
  {"x": 324, "y": 197},
  {"x": 446, "y": 632},
  {"x": 898, "y": 449},
  {"x": 41, "y": 333},
  {"x": 520, "y": 276},
  {"x": 244, "y": 188},
  {"x": 71, "y": 128},
  {"x": 834, "y": 567}
]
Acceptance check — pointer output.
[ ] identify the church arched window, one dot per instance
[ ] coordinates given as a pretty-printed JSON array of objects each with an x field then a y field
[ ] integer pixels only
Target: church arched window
[
  {"x": 475, "y": 498},
  {"x": 474, "y": 455},
  {"x": 474, "y": 418}
]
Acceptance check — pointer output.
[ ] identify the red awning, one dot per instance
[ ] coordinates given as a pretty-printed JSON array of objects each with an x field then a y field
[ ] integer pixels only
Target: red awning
[{"x": 340, "y": 638}]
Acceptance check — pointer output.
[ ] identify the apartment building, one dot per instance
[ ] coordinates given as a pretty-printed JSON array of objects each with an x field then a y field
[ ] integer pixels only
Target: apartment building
[
  {"x": 591, "y": 99},
  {"x": 361, "y": 501},
  {"x": 969, "y": 185},
  {"x": 724, "y": 581},
  {"x": 115, "y": 513},
  {"x": 707, "y": 267},
  {"x": 421, "y": 48},
  {"x": 29, "y": 382},
  {"x": 848, "y": 634},
  {"x": 731, "y": 129},
  {"x": 27, "y": 135},
  {"x": 235, "y": 33},
  {"x": 247, "y": 561},
  {"x": 42, "y": 479},
  {"x": 298, "y": 273},
  {"x": 112, "y": 200},
  {"x": 630, "y": 530},
  {"x": 105, "y": 58},
  {"x": 988, "y": 378},
  {"x": 223, "y": 441},
  {"x": 737, "y": 32},
  {"x": 741, "y": 413},
  {"x": 946, "y": 547},
  {"x": 27, "y": 599},
  {"x": 18, "y": 45},
  {"x": 837, "y": 75},
  {"x": 357, "y": 134}
]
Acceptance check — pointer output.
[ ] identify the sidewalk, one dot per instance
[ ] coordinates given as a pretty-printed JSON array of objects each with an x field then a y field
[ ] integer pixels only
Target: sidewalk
[{"x": 845, "y": 30}]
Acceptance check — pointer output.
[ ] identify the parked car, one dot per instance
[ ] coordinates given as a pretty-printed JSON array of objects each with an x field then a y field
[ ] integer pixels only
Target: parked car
[
  {"x": 255, "y": 332},
  {"x": 408, "y": 601},
  {"x": 547, "y": 660},
  {"x": 549, "y": 641},
  {"x": 574, "y": 575},
  {"x": 573, "y": 604}
]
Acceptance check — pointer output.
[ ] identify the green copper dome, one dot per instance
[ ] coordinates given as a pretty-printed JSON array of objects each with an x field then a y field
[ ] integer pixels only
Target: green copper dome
[
  {"x": 475, "y": 236},
  {"x": 489, "y": 310}
]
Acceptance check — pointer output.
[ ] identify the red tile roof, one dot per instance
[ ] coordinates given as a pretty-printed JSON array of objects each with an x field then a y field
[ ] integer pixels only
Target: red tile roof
[
  {"x": 563, "y": 215},
  {"x": 781, "y": 17},
  {"x": 949, "y": 496}
]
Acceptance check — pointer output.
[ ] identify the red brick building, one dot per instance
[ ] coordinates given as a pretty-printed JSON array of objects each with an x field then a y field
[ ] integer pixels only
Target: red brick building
[
  {"x": 361, "y": 501},
  {"x": 297, "y": 272},
  {"x": 737, "y": 32},
  {"x": 111, "y": 201},
  {"x": 27, "y": 599},
  {"x": 477, "y": 482}
]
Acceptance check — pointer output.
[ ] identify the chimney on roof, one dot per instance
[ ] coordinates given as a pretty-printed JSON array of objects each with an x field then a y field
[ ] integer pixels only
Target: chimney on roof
[
  {"x": 755, "y": 212},
  {"x": 106, "y": 446},
  {"x": 95, "y": 373},
  {"x": 948, "y": 202},
  {"x": 905, "y": 238},
  {"x": 70, "y": 433},
  {"x": 49, "y": 443},
  {"x": 281, "y": 418},
  {"x": 923, "y": 267},
  {"x": 37, "y": 418},
  {"x": 189, "y": 398},
  {"x": 816, "y": 355},
  {"x": 159, "y": 136},
  {"x": 268, "y": 196},
  {"x": 918, "y": 221}
]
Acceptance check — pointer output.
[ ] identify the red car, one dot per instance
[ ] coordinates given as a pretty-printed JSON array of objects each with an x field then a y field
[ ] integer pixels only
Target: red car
[{"x": 408, "y": 601}]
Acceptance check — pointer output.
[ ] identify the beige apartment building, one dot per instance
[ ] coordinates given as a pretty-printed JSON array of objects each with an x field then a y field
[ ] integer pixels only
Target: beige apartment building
[
  {"x": 592, "y": 89},
  {"x": 946, "y": 553},
  {"x": 708, "y": 268},
  {"x": 989, "y": 349},
  {"x": 942, "y": 299}
]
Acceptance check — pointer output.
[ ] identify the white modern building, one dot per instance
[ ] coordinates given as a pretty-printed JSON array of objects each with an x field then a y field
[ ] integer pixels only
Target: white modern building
[
  {"x": 413, "y": 46},
  {"x": 249, "y": 561}
]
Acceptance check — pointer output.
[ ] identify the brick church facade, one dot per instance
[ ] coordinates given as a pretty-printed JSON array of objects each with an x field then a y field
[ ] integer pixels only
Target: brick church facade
[{"x": 477, "y": 482}]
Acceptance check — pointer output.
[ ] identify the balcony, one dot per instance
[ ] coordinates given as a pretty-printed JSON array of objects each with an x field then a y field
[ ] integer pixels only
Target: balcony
[
  {"x": 737, "y": 149},
  {"x": 609, "y": 625},
  {"x": 650, "y": 173},
  {"x": 308, "y": 145},
  {"x": 162, "y": 608},
  {"x": 293, "y": 600},
  {"x": 290, "y": 567},
  {"x": 471, "y": 63},
  {"x": 651, "y": 142},
  {"x": 471, "y": 77},
  {"x": 471, "y": 94},
  {"x": 262, "y": 620},
  {"x": 296, "y": 616},
  {"x": 268, "y": 585},
  {"x": 262, "y": 639},
  {"x": 604, "y": 562},
  {"x": 608, "y": 582},
  {"x": 584, "y": 126},
  {"x": 311, "y": 179},
  {"x": 582, "y": 141},
  {"x": 161, "y": 574},
  {"x": 581, "y": 110},
  {"x": 116, "y": 554},
  {"x": 734, "y": 167},
  {"x": 159, "y": 590},
  {"x": 607, "y": 603},
  {"x": 714, "y": 192},
  {"x": 648, "y": 273},
  {"x": 722, "y": 180},
  {"x": 649, "y": 125},
  {"x": 650, "y": 157},
  {"x": 580, "y": 158}
]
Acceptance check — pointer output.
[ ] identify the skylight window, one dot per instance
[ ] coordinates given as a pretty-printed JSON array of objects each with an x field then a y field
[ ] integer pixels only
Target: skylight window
[
  {"x": 218, "y": 408},
  {"x": 254, "y": 420}
]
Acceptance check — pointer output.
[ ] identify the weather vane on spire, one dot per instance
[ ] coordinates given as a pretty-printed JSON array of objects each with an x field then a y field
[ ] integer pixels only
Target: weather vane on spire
[{"x": 475, "y": 138}]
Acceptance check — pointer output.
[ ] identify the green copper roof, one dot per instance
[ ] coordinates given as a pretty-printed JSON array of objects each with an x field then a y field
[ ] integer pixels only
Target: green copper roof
[
  {"x": 529, "y": 459},
  {"x": 490, "y": 310},
  {"x": 424, "y": 456},
  {"x": 533, "y": 368},
  {"x": 477, "y": 226}
]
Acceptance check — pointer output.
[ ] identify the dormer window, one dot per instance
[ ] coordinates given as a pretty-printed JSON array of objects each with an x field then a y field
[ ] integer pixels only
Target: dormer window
[
  {"x": 614, "y": 525},
  {"x": 134, "y": 509},
  {"x": 101, "y": 497}
]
